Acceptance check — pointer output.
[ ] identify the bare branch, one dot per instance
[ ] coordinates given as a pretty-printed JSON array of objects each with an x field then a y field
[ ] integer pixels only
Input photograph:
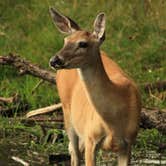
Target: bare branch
[
  {"x": 13, "y": 99},
  {"x": 159, "y": 85},
  {"x": 11, "y": 111},
  {"x": 37, "y": 86},
  {"x": 25, "y": 67},
  {"x": 153, "y": 118},
  {"x": 44, "y": 121},
  {"x": 44, "y": 110},
  {"x": 19, "y": 160}
]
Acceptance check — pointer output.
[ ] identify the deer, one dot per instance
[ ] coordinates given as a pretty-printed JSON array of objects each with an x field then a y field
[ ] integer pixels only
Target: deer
[{"x": 101, "y": 104}]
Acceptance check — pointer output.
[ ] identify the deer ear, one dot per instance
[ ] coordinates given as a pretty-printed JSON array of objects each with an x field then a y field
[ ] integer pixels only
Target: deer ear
[
  {"x": 99, "y": 27},
  {"x": 63, "y": 23}
]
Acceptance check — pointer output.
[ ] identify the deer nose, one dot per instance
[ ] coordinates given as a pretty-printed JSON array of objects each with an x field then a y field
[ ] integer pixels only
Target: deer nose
[{"x": 56, "y": 62}]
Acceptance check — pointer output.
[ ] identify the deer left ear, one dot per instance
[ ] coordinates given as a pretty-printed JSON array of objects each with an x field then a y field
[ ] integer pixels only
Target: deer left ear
[
  {"x": 99, "y": 27},
  {"x": 63, "y": 23}
]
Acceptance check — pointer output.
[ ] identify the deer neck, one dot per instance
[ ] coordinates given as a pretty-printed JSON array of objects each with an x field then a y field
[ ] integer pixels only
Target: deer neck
[{"x": 97, "y": 85}]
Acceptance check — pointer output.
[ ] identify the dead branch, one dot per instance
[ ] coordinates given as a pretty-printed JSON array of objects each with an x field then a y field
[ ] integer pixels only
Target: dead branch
[
  {"x": 10, "y": 111},
  {"x": 19, "y": 160},
  {"x": 25, "y": 67},
  {"x": 56, "y": 159},
  {"x": 37, "y": 86},
  {"x": 159, "y": 86},
  {"x": 44, "y": 122},
  {"x": 153, "y": 118},
  {"x": 5, "y": 100},
  {"x": 11, "y": 105},
  {"x": 44, "y": 110}
]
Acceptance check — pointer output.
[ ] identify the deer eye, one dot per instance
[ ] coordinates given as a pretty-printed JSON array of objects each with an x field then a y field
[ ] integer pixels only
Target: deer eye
[{"x": 83, "y": 44}]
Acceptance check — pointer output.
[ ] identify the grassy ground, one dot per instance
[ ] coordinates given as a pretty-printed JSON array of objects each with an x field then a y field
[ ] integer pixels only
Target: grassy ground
[{"x": 135, "y": 39}]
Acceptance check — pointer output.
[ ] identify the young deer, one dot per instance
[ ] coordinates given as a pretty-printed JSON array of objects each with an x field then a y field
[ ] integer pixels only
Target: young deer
[{"x": 101, "y": 105}]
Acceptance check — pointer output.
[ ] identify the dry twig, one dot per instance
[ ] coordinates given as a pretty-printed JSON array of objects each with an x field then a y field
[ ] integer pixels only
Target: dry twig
[
  {"x": 21, "y": 161},
  {"x": 37, "y": 86},
  {"x": 159, "y": 86},
  {"x": 44, "y": 110},
  {"x": 6, "y": 100}
]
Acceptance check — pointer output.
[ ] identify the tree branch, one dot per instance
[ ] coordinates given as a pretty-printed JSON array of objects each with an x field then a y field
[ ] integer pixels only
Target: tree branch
[
  {"x": 44, "y": 110},
  {"x": 159, "y": 85},
  {"x": 11, "y": 111},
  {"x": 153, "y": 118},
  {"x": 25, "y": 67},
  {"x": 6, "y": 100}
]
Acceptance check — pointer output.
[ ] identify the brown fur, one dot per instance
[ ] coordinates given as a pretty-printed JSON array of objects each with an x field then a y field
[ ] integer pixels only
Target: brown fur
[
  {"x": 81, "y": 115},
  {"x": 101, "y": 104}
]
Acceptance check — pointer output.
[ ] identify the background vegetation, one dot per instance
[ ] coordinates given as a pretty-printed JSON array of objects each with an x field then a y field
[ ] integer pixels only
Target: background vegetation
[{"x": 135, "y": 39}]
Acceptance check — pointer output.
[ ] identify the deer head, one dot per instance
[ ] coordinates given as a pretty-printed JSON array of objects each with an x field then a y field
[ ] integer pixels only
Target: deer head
[{"x": 80, "y": 47}]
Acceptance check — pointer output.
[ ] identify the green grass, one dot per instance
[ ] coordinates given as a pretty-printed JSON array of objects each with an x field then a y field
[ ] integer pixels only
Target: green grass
[{"x": 135, "y": 39}]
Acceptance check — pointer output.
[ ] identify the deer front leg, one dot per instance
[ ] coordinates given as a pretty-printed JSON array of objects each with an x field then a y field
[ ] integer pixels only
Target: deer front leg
[
  {"x": 124, "y": 155},
  {"x": 90, "y": 152},
  {"x": 74, "y": 148}
]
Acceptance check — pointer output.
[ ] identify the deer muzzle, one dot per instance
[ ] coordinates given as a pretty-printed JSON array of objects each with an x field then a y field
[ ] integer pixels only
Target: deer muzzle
[{"x": 56, "y": 62}]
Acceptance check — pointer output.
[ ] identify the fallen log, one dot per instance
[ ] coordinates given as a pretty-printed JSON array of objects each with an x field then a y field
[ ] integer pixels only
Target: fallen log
[{"x": 25, "y": 67}]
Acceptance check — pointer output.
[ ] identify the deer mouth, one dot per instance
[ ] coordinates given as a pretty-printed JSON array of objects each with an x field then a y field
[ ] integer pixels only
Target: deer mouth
[
  {"x": 57, "y": 66},
  {"x": 57, "y": 63}
]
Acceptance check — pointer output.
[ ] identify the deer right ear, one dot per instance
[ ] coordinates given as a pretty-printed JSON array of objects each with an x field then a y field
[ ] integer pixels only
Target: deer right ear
[
  {"x": 99, "y": 27},
  {"x": 63, "y": 23}
]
